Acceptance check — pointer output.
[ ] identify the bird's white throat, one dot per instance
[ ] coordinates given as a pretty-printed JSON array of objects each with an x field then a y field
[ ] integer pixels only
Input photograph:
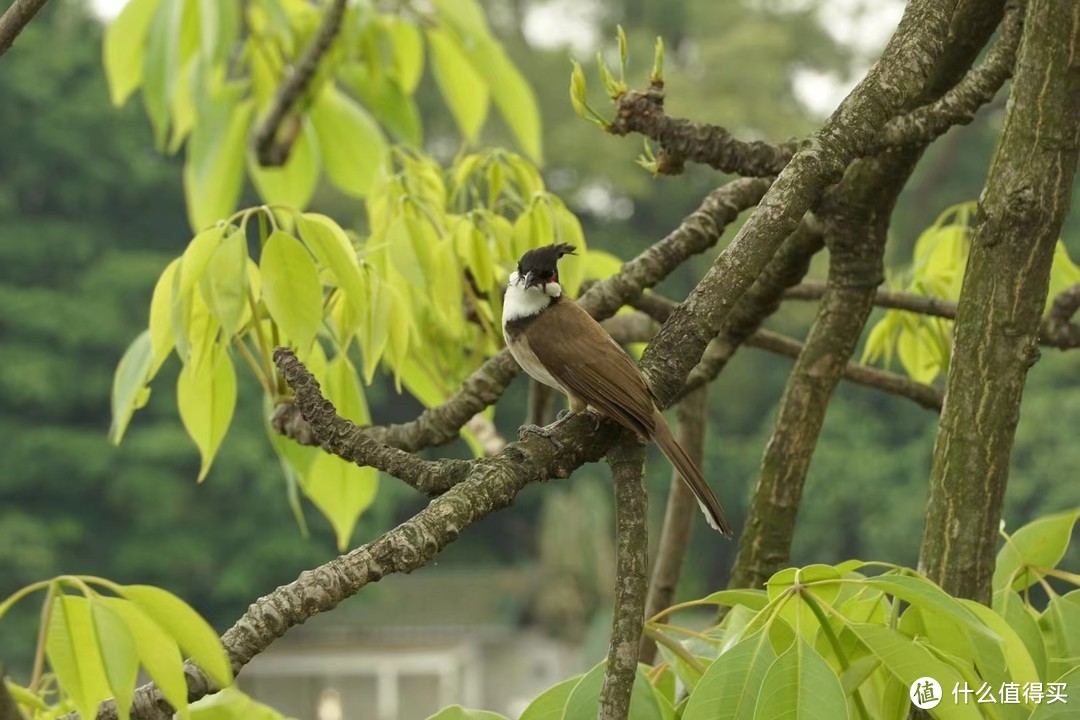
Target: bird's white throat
[{"x": 520, "y": 301}]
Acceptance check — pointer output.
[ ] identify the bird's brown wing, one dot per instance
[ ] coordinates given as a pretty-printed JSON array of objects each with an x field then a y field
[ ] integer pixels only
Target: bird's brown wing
[{"x": 590, "y": 365}]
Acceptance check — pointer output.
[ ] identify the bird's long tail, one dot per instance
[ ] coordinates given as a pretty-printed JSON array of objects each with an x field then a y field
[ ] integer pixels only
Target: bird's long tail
[{"x": 693, "y": 478}]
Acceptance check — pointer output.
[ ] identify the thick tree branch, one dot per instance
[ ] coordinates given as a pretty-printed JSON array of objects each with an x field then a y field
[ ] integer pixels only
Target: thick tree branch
[
  {"x": 890, "y": 85},
  {"x": 15, "y": 18},
  {"x": 627, "y": 461},
  {"x": 270, "y": 150},
  {"x": 678, "y": 517},
  {"x": 1005, "y": 286},
  {"x": 959, "y": 105},
  {"x": 927, "y": 396}
]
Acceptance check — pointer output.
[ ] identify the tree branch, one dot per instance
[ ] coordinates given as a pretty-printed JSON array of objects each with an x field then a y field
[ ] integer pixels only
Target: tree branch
[
  {"x": 890, "y": 85},
  {"x": 269, "y": 150},
  {"x": 627, "y": 461},
  {"x": 15, "y": 18},
  {"x": 1055, "y": 330},
  {"x": 681, "y": 140},
  {"x": 927, "y": 396},
  {"x": 959, "y": 105},
  {"x": 678, "y": 517}
]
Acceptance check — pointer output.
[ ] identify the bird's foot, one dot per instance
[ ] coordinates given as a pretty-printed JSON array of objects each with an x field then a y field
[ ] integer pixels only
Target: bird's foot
[{"x": 547, "y": 432}]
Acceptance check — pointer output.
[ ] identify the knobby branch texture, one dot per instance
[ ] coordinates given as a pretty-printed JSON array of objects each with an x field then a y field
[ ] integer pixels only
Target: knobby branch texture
[
  {"x": 1005, "y": 287},
  {"x": 887, "y": 88},
  {"x": 15, "y": 18},
  {"x": 692, "y": 412},
  {"x": 627, "y": 461},
  {"x": 270, "y": 149}
]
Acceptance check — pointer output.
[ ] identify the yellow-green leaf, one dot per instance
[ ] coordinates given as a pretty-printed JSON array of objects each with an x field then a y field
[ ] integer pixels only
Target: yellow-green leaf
[
  {"x": 331, "y": 247},
  {"x": 341, "y": 491},
  {"x": 224, "y": 284},
  {"x": 463, "y": 88},
  {"x": 158, "y": 652},
  {"x": 291, "y": 288},
  {"x": 193, "y": 634},
  {"x": 72, "y": 650},
  {"x": 571, "y": 267},
  {"x": 214, "y": 166},
  {"x": 123, "y": 49},
  {"x": 343, "y": 389},
  {"x": 129, "y": 391},
  {"x": 511, "y": 93},
  {"x": 292, "y": 184},
  {"x": 118, "y": 653},
  {"x": 408, "y": 49},
  {"x": 162, "y": 340},
  {"x": 383, "y": 95},
  {"x": 800, "y": 685},
  {"x": 350, "y": 143},
  {"x": 206, "y": 397}
]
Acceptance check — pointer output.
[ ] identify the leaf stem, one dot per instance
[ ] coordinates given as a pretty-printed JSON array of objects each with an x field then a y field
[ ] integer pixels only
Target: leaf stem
[
  {"x": 675, "y": 646},
  {"x": 43, "y": 633},
  {"x": 841, "y": 656}
]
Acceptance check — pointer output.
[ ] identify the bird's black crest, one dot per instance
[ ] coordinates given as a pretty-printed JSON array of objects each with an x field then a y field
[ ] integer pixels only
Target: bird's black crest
[{"x": 544, "y": 260}]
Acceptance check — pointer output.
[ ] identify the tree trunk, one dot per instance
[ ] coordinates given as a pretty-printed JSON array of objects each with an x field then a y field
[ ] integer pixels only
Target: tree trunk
[{"x": 1005, "y": 286}]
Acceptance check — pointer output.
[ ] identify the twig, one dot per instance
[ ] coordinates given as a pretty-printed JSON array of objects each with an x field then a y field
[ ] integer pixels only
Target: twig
[
  {"x": 15, "y": 18},
  {"x": 268, "y": 151},
  {"x": 1056, "y": 330},
  {"x": 678, "y": 517},
  {"x": 627, "y": 461},
  {"x": 927, "y": 396}
]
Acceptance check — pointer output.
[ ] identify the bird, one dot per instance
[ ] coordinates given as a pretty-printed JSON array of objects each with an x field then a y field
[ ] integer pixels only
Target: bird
[{"x": 560, "y": 345}]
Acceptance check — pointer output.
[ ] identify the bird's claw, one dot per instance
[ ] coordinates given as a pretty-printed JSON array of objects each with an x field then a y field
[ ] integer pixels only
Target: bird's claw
[{"x": 547, "y": 432}]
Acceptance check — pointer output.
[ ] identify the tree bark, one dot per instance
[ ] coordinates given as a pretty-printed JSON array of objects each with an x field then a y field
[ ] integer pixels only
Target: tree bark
[
  {"x": 1005, "y": 287},
  {"x": 627, "y": 461},
  {"x": 692, "y": 412}
]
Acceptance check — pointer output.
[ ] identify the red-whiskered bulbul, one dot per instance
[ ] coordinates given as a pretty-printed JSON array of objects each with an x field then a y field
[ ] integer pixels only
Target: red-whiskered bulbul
[{"x": 562, "y": 346}]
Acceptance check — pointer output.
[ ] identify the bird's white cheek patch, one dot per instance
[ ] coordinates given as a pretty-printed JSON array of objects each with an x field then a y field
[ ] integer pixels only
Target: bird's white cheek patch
[{"x": 553, "y": 289}]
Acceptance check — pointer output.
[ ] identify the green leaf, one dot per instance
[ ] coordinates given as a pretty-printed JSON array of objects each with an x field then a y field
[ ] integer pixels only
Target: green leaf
[
  {"x": 1062, "y": 621},
  {"x": 1020, "y": 663},
  {"x": 118, "y": 653},
  {"x": 1039, "y": 544},
  {"x": 162, "y": 340},
  {"x": 1009, "y": 605},
  {"x": 343, "y": 389},
  {"x": 407, "y": 47},
  {"x": 71, "y": 646},
  {"x": 730, "y": 686},
  {"x": 125, "y": 39},
  {"x": 1058, "y": 710},
  {"x": 549, "y": 705},
  {"x": 924, "y": 594},
  {"x": 206, "y": 397},
  {"x": 232, "y": 704},
  {"x": 292, "y": 184},
  {"x": 908, "y": 661},
  {"x": 584, "y": 700},
  {"x": 158, "y": 652},
  {"x": 800, "y": 685},
  {"x": 291, "y": 288},
  {"x": 386, "y": 99},
  {"x": 511, "y": 93},
  {"x": 219, "y": 27},
  {"x": 341, "y": 491},
  {"x": 186, "y": 627},
  {"x": 331, "y": 247},
  {"x": 129, "y": 391},
  {"x": 407, "y": 239},
  {"x": 224, "y": 283},
  {"x": 916, "y": 355},
  {"x": 753, "y": 599},
  {"x": 214, "y": 165},
  {"x": 350, "y": 142},
  {"x": 572, "y": 267},
  {"x": 161, "y": 65},
  {"x": 463, "y": 88},
  {"x": 456, "y": 712}
]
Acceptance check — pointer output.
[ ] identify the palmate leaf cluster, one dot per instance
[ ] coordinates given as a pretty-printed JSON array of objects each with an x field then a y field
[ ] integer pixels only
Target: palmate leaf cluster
[
  {"x": 923, "y": 343},
  {"x": 848, "y": 641},
  {"x": 428, "y": 276},
  {"x": 208, "y": 71}
]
